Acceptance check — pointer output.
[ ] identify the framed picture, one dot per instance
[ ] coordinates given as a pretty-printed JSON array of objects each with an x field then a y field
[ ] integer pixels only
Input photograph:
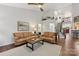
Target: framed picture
[
  {"x": 76, "y": 19},
  {"x": 22, "y": 26}
]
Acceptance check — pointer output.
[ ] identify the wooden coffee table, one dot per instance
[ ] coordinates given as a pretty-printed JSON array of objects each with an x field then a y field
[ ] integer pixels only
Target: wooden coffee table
[{"x": 33, "y": 41}]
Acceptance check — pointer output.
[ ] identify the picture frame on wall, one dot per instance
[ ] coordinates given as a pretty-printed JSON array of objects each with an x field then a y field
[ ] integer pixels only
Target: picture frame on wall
[
  {"x": 22, "y": 26},
  {"x": 76, "y": 19}
]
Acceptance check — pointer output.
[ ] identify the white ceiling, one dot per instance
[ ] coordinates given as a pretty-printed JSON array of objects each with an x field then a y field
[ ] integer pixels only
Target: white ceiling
[{"x": 46, "y": 6}]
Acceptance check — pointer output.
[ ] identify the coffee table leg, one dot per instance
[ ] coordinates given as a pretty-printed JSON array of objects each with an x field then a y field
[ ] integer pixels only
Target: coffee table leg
[
  {"x": 42, "y": 42},
  {"x": 27, "y": 44},
  {"x": 32, "y": 47}
]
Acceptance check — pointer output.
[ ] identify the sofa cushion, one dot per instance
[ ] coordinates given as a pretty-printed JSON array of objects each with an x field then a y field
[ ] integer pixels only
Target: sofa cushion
[
  {"x": 46, "y": 33},
  {"x": 20, "y": 40},
  {"x": 48, "y": 38},
  {"x": 51, "y": 34},
  {"x": 31, "y": 37},
  {"x": 18, "y": 34},
  {"x": 26, "y": 34},
  {"x": 30, "y": 34},
  {"x": 16, "y": 38}
]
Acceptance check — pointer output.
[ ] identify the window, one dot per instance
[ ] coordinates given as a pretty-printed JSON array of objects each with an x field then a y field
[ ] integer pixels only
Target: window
[{"x": 51, "y": 27}]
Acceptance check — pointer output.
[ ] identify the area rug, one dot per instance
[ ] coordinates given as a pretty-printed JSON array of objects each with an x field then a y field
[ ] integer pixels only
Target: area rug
[{"x": 40, "y": 50}]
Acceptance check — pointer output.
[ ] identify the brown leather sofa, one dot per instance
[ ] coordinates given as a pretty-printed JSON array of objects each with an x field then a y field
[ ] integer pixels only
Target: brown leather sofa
[
  {"x": 22, "y": 37},
  {"x": 50, "y": 37}
]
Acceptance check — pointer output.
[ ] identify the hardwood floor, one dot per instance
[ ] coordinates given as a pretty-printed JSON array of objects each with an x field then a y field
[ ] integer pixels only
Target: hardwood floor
[
  {"x": 69, "y": 46},
  {"x": 8, "y": 47}
]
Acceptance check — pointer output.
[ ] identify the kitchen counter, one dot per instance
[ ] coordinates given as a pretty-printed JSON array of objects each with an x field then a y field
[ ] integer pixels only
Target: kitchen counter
[
  {"x": 75, "y": 33},
  {"x": 74, "y": 29}
]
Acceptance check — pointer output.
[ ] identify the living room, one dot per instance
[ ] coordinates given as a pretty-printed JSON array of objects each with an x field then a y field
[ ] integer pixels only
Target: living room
[{"x": 51, "y": 26}]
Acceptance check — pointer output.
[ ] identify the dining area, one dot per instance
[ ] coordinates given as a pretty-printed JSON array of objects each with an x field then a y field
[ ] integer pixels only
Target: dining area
[{"x": 75, "y": 30}]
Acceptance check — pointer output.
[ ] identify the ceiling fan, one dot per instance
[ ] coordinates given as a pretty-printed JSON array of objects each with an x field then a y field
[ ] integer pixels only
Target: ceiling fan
[
  {"x": 38, "y": 4},
  {"x": 52, "y": 18}
]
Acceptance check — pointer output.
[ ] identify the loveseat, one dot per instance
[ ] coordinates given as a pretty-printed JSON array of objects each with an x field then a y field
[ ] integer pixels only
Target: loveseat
[
  {"x": 50, "y": 37},
  {"x": 22, "y": 37}
]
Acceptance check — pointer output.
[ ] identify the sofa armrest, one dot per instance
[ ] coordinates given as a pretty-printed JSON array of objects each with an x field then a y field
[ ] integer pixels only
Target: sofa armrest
[
  {"x": 16, "y": 38},
  {"x": 53, "y": 36},
  {"x": 33, "y": 35}
]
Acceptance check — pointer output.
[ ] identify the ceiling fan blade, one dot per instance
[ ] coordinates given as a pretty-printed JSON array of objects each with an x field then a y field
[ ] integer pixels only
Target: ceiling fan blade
[
  {"x": 32, "y": 3},
  {"x": 41, "y": 9},
  {"x": 48, "y": 17},
  {"x": 38, "y": 4},
  {"x": 44, "y": 19},
  {"x": 35, "y": 3}
]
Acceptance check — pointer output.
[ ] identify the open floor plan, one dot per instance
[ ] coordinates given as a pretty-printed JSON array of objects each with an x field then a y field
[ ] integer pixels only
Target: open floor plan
[{"x": 39, "y": 29}]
